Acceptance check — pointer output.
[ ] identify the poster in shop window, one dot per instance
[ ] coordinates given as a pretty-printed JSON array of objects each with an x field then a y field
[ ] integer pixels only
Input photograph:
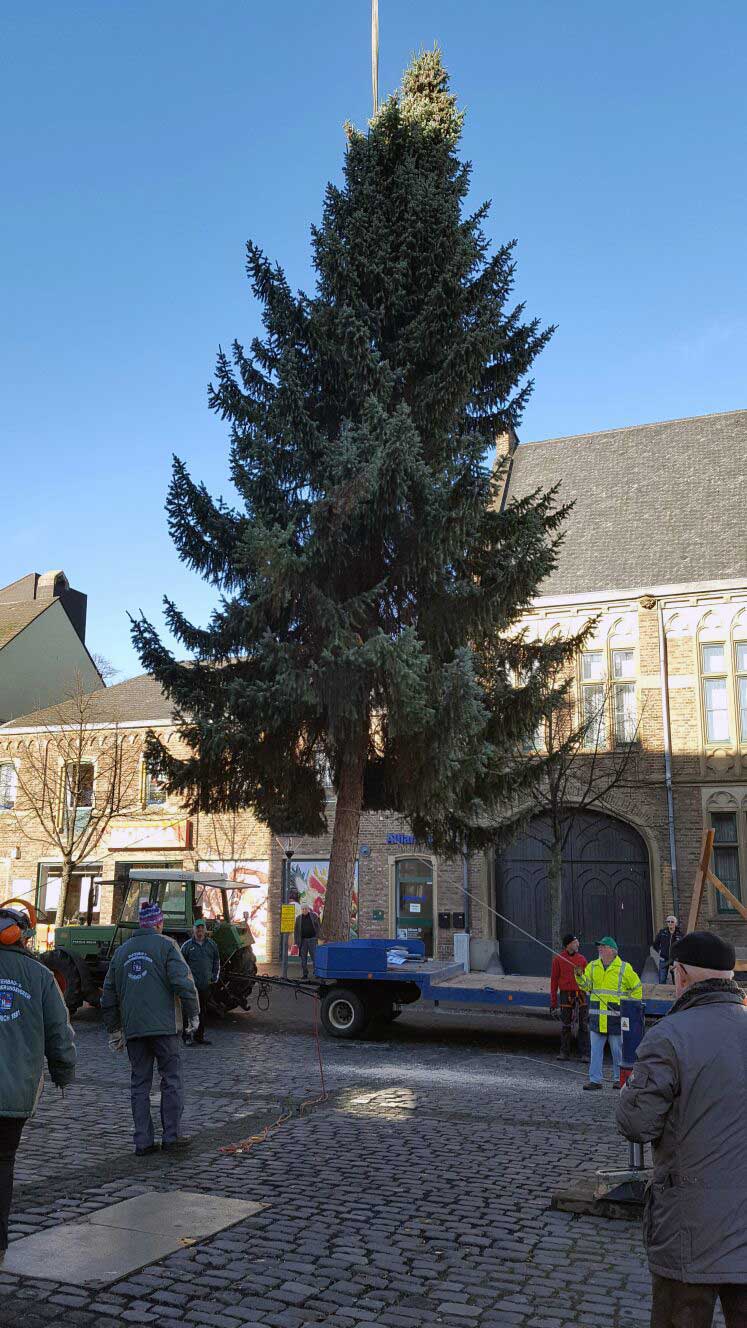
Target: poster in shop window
[
  {"x": 247, "y": 904},
  {"x": 308, "y": 886}
]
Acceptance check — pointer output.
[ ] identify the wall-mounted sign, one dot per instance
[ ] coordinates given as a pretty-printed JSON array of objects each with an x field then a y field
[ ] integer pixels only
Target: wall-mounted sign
[
  {"x": 151, "y": 834},
  {"x": 378, "y": 915},
  {"x": 401, "y": 839},
  {"x": 364, "y": 851}
]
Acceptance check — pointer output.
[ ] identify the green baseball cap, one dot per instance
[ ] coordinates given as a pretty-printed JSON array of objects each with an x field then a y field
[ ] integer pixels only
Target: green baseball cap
[{"x": 608, "y": 940}]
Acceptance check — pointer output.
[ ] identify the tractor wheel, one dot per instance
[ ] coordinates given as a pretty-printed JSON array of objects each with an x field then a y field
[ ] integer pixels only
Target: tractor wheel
[
  {"x": 67, "y": 978},
  {"x": 344, "y": 1013},
  {"x": 237, "y": 977}
]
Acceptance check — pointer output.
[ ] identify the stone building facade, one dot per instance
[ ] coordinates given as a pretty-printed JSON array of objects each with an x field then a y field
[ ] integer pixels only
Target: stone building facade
[
  {"x": 399, "y": 885},
  {"x": 655, "y": 555}
]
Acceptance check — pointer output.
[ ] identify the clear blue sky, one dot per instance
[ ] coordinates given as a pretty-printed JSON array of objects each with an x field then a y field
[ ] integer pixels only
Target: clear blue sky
[{"x": 145, "y": 140}]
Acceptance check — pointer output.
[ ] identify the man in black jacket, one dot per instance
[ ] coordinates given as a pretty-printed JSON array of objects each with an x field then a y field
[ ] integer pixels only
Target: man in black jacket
[
  {"x": 305, "y": 934},
  {"x": 663, "y": 942},
  {"x": 686, "y": 1097}
]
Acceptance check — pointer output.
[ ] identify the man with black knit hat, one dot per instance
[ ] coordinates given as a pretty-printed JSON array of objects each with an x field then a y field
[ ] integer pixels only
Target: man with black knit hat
[{"x": 686, "y": 1096}]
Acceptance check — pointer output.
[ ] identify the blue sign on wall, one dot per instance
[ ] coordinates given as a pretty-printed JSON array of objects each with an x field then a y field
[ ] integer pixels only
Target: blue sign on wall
[{"x": 400, "y": 839}]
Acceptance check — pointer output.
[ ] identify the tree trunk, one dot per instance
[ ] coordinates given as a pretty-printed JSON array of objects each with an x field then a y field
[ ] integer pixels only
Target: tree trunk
[
  {"x": 555, "y": 878},
  {"x": 67, "y": 872},
  {"x": 336, "y": 919}
]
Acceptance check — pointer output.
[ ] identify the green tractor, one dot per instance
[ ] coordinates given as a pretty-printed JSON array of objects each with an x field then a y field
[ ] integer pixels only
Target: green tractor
[{"x": 82, "y": 954}]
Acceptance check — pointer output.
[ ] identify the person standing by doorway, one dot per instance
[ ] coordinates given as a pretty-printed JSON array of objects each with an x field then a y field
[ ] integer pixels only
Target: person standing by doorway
[
  {"x": 201, "y": 953},
  {"x": 607, "y": 980},
  {"x": 305, "y": 935},
  {"x": 34, "y": 1026},
  {"x": 144, "y": 985},
  {"x": 573, "y": 1004},
  {"x": 663, "y": 943}
]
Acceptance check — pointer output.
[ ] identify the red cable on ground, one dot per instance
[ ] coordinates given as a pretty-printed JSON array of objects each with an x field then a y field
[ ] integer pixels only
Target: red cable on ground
[{"x": 244, "y": 1145}]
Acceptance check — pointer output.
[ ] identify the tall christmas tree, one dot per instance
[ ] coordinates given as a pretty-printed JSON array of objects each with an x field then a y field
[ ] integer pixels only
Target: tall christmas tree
[{"x": 369, "y": 575}]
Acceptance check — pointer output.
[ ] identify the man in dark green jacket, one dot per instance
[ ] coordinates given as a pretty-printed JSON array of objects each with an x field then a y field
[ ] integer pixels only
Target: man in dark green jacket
[
  {"x": 203, "y": 957},
  {"x": 33, "y": 1026},
  {"x": 145, "y": 990}
]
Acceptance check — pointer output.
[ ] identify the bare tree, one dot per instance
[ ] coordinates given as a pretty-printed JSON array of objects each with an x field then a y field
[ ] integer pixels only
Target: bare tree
[
  {"x": 73, "y": 778},
  {"x": 590, "y": 746},
  {"x": 106, "y": 669}
]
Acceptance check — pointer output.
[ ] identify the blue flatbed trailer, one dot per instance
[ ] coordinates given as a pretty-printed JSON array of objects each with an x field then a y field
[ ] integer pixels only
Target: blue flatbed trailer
[{"x": 358, "y": 982}]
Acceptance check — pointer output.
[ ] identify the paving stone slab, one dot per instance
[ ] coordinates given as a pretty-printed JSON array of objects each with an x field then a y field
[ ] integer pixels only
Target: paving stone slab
[{"x": 113, "y": 1242}]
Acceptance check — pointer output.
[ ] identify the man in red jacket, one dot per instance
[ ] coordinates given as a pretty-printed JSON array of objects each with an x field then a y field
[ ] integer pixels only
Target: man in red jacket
[{"x": 572, "y": 1001}]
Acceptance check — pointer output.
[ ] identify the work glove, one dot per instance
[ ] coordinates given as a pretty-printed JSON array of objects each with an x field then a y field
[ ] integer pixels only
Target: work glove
[
  {"x": 192, "y": 1025},
  {"x": 117, "y": 1040},
  {"x": 555, "y": 1012}
]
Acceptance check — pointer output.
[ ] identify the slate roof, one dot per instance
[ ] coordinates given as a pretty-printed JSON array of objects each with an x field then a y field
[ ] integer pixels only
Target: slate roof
[
  {"x": 138, "y": 699},
  {"x": 655, "y": 504},
  {"x": 14, "y": 617}
]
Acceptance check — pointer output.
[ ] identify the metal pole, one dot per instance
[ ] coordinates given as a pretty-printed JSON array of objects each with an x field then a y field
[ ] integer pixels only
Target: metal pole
[
  {"x": 635, "y": 1157},
  {"x": 285, "y": 899},
  {"x": 666, "y": 732},
  {"x": 375, "y": 54}
]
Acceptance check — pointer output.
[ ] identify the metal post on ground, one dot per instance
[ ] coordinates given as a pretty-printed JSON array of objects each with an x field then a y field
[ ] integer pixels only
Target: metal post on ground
[{"x": 285, "y": 899}]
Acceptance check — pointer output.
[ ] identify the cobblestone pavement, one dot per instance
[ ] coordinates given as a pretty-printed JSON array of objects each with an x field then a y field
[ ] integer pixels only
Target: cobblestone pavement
[{"x": 417, "y": 1194}]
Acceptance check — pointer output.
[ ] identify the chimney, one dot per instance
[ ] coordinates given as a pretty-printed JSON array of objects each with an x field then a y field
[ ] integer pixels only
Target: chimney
[
  {"x": 506, "y": 444},
  {"x": 49, "y": 586}
]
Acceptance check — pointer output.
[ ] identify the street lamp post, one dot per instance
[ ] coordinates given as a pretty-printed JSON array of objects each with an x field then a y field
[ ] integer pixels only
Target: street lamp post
[{"x": 285, "y": 897}]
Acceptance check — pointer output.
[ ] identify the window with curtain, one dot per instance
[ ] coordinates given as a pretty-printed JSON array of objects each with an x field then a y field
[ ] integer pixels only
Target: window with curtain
[
  {"x": 726, "y": 857},
  {"x": 623, "y": 696},
  {"x": 593, "y": 699},
  {"x": 715, "y": 692},
  {"x": 8, "y": 786},
  {"x": 741, "y": 663}
]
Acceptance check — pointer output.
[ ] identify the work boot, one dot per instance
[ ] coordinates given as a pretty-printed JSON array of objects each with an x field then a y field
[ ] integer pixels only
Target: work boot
[
  {"x": 562, "y": 1056},
  {"x": 591, "y": 1087},
  {"x": 179, "y": 1145},
  {"x": 145, "y": 1152},
  {"x": 202, "y": 1042}
]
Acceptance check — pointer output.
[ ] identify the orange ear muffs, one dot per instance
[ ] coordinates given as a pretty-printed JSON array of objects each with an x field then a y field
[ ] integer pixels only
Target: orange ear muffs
[{"x": 13, "y": 934}]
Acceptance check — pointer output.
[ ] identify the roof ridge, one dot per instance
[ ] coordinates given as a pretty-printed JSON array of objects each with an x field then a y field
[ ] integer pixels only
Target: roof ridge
[{"x": 629, "y": 428}]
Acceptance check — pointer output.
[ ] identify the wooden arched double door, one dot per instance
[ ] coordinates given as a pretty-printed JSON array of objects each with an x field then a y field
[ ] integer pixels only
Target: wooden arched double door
[{"x": 606, "y": 891}]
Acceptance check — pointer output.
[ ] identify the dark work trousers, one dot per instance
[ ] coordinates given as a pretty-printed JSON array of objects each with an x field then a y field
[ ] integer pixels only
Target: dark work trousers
[
  {"x": 570, "y": 1001},
  {"x": 691, "y": 1305},
  {"x": 10, "y": 1137},
  {"x": 307, "y": 948},
  {"x": 144, "y": 1053},
  {"x": 200, "y": 1034}
]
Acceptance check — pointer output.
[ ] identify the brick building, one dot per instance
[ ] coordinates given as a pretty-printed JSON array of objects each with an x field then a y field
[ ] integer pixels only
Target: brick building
[
  {"x": 398, "y": 885},
  {"x": 656, "y": 552}
]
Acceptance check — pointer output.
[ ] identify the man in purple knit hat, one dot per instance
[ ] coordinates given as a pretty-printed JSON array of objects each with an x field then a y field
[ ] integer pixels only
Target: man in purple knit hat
[{"x": 146, "y": 988}]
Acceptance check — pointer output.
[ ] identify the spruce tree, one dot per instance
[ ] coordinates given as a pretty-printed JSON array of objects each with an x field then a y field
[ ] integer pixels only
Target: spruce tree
[{"x": 369, "y": 577}]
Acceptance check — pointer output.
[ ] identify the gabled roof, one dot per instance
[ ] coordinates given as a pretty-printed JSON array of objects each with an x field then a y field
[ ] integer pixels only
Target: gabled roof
[
  {"x": 14, "y": 617},
  {"x": 139, "y": 700},
  {"x": 654, "y": 505}
]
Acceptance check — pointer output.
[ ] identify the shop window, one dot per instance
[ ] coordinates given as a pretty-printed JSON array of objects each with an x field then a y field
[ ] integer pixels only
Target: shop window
[
  {"x": 8, "y": 786},
  {"x": 84, "y": 890},
  {"x": 715, "y": 692},
  {"x": 726, "y": 857}
]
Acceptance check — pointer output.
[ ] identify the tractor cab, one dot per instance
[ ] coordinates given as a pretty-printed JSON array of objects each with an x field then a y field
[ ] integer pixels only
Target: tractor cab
[{"x": 182, "y": 897}]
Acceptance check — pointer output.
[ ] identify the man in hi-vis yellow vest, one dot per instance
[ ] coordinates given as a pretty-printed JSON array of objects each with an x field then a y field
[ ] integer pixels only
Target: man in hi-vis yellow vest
[{"x": 607, "y": 980}]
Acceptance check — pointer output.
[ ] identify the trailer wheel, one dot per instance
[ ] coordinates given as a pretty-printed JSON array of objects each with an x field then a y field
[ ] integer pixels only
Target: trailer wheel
[{"x": 344, "y": 1013}]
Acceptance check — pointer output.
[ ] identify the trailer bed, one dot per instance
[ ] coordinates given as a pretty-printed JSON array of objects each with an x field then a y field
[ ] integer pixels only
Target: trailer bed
[{"x": 364, "y": 967}]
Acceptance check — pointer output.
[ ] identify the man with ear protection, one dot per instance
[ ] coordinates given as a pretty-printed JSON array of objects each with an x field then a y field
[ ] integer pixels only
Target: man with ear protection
[{"x": 33, "y": 1025}]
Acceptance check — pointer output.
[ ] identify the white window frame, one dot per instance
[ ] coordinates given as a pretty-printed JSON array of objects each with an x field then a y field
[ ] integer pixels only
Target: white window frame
[
  {"x": 715, "y": 676},
  {"x": 10, "y": 765}
]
